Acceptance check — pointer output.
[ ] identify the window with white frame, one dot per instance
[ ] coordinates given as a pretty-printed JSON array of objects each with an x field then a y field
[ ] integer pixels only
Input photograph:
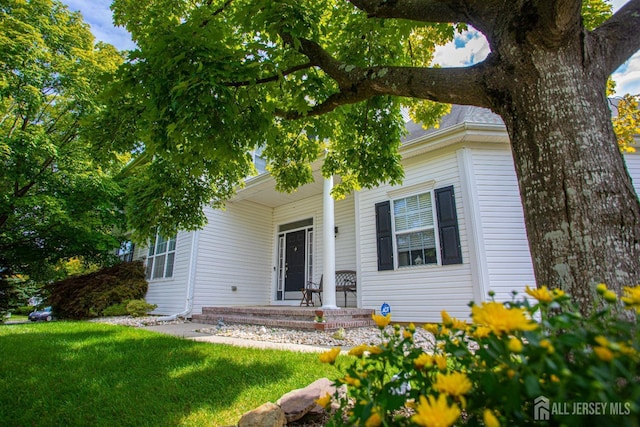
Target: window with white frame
[
  {"x": 161, "y": 257},
  {"x": 418, "y": 229},
  {"x": 415, "y": 231}
]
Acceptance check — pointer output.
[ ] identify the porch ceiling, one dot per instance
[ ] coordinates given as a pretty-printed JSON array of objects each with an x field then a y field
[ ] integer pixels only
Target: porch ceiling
[{"x": 261, "y": 189}]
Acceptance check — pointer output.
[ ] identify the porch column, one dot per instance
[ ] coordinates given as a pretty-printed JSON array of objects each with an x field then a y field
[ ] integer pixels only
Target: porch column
[{"x": 329, "y": 248}]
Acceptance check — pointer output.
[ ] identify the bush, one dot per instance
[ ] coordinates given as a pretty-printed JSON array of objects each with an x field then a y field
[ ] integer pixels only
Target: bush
[
  {"x": 81, "y": 297},
  {"x": 503, "y": 369},
  {"x": 24, "y": 310},
  {"x": 119, "y": 309},
  {"x": 139, "y": 307}
]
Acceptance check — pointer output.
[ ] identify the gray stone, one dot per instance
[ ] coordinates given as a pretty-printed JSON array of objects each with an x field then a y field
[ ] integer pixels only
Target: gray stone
[
  {"x": 297, "y": 403},
  {"x": 267, "y": 415}
]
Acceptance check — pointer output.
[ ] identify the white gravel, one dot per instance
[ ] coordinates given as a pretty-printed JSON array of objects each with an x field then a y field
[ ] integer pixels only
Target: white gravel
[{"x": 344, "y": 338}]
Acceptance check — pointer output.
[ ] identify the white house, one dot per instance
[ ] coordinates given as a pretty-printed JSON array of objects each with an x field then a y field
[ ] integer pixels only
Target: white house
[{"x": 450, "y": 234}]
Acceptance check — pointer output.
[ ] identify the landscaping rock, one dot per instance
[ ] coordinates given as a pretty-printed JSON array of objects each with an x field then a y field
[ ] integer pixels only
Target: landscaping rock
[
  {"x": 267, "y": 415},
  {"x": 297, "y": 403}
]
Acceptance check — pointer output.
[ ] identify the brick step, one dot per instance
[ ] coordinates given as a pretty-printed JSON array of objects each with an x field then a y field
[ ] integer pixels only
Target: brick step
[
  {"x": 254, "y": 320},
  {"x": 288, "y": 317}
]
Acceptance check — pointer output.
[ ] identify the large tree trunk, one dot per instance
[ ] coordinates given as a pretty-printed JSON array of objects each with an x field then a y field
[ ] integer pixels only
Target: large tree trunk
[{"x": 581, "y": 211}]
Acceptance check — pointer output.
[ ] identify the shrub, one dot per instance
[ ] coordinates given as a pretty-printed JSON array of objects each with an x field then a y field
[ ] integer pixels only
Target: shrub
[
  {"x": 139, "y": 307},
  {"x": 81, "y": 297},
  {"x": 119, "y": 309},
  {"x": 24, "y": 310},
  {"x": 502, "y": 369}
]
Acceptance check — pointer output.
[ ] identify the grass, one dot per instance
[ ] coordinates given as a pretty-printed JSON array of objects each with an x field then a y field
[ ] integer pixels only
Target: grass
[{"x": 81, "y": 373}]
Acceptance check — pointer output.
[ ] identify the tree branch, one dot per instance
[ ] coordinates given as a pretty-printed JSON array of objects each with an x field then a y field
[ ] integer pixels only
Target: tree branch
[
  {"x": 450, "y": 85},
  {"x": 271, "y": 78},
  {"x": 416, "y": 10},
  {"x": 619, "y": 36}
]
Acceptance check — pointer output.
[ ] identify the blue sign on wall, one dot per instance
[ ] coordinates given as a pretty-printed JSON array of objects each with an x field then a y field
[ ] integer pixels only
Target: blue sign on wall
[{"x": 385, "y": 309}]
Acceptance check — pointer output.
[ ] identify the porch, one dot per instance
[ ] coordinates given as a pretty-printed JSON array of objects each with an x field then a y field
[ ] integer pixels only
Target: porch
[{"x": 306, "y": 318}]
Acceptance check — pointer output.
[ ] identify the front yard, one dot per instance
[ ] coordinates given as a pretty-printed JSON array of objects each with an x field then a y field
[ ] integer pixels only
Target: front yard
[{"x": 81, "y": 373}]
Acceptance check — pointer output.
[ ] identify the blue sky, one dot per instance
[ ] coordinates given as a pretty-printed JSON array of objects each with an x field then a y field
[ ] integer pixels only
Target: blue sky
[{"x": 466, "y": 49}]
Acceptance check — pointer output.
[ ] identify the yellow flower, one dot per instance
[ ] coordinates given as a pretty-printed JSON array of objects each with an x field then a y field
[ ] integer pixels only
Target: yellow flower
[
  {"x": 610, "y": 296},
  {"x": 603, "y": 341},
  {"x": 374, "y": 349},
  {"x": 446, "y": 319},
  {"x": 441, "y": 361},
  {"x": 515, "y": 345},
  {"x": 324, "y": 401},
  {"x": 381, "y": 321},
  {"x": 359, "y": 350},
  {"x": 406, "y": 334},
  {"x": 501, "y": 319},
  {"x": 554, "y": 378},
  {"x": 481, "y": 332},
  {"x": 601, "y": 288},
  {"x": 603, "y": 353},
  {"x": 557, "y": 293},
  {"x": 422, "y": 361},
  {"x": 348, "y": 379},
  {"x": 435, "y": 413},
  {"x": 330, "y": 356},
  {"x": 631, "y": 298},
  {"x": 431, "y": 327},
  {"x": 374, "y": 420},
  {"x": 453, "y": 384},
  {"x": 411, "y": 327},
  {"x": 490, "y": 420},
  {"x": 547, "y": 344},
  {"x": 541, "y": 294}
]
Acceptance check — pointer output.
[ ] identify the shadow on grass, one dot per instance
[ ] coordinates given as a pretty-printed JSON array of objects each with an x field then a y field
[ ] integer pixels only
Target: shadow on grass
[{"x": 73, "y": 373}]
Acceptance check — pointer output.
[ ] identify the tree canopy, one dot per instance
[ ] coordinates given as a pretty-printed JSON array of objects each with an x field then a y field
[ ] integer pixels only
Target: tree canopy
[
  {"x": 214, "y": 79},
  {"x": 57, "y": 200}
]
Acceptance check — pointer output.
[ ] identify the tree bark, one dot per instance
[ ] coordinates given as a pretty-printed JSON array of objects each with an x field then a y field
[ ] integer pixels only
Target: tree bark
[{"x": 581, "y": 211}]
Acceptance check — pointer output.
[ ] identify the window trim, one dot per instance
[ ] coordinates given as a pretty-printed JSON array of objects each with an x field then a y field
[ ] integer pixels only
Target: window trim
[
  {"x": 434, "y": 228},
  {"x": 444, "y": 207},
  {"x": 170, "y": 246}
]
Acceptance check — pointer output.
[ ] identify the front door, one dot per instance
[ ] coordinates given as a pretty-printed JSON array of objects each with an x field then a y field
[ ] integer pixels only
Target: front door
[{"x": 295, "y": 257}]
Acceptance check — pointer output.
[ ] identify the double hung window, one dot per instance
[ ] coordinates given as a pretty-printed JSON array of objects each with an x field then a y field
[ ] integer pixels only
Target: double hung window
[
  {"x": 415, "y": 230},
  {"x": 419, "y": 229}
]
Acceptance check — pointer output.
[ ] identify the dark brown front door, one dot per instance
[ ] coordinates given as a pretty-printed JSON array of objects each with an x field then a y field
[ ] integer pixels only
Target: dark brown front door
[{"x": 295, "y": 256}]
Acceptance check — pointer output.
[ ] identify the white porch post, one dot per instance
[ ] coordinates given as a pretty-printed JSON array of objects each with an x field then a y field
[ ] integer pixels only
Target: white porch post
[{"x": 329, "y": 248}]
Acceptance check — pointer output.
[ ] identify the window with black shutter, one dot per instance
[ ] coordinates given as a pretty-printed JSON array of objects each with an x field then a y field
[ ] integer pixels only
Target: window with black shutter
[
  {"x": 384, "y": 236},
  {"x": 449, "y": 235},
  {"x": 411, "y": 221}
]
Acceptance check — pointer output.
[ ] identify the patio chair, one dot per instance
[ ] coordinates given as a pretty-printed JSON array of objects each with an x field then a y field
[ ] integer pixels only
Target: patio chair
[
  {"x": 309, "y": 290},
  {"x": 345, "y": 282}
]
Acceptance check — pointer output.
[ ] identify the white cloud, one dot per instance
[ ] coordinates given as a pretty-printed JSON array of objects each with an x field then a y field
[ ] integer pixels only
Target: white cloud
[
  {"x": 97, "y": 14},
  {"x": 468, "y": 48}
]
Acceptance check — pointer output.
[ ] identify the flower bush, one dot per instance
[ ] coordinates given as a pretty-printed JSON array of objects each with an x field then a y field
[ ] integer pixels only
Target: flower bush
[{"x": 527, "y": 361}]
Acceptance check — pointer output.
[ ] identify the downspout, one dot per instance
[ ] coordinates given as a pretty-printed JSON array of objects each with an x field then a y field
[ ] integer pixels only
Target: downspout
[{"x": 191, "y": 282}]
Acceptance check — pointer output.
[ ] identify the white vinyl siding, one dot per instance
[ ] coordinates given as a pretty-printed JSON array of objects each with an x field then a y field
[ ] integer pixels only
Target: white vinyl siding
[
  {"x": 234, "y": 257},
  {"x": 170, "y": 293},
  {"x": 416, "y": 294},
  {"x": 506, "y": 248},
  {"x": 633, "y": 166}
]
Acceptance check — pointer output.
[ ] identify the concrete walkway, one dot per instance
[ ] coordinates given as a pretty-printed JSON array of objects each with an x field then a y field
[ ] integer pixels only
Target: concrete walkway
[{"x": 191, "y": 331}]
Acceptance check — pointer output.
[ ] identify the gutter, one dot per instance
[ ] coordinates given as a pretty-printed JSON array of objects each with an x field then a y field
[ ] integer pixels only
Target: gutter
[{"x": 191, "y": 283}]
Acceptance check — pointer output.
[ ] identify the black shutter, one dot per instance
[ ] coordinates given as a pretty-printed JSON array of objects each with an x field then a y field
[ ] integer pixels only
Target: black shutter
[
  {"x": 384, "y": 236},
  {"x": 448, "y": 226}
]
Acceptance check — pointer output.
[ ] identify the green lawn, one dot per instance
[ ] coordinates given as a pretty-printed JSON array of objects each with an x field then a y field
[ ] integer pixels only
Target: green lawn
[{"x": 90, "y": 374}]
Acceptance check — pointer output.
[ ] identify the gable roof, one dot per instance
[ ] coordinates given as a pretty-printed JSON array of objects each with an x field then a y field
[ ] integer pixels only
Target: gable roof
[{"x": 459, "y": 114}]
